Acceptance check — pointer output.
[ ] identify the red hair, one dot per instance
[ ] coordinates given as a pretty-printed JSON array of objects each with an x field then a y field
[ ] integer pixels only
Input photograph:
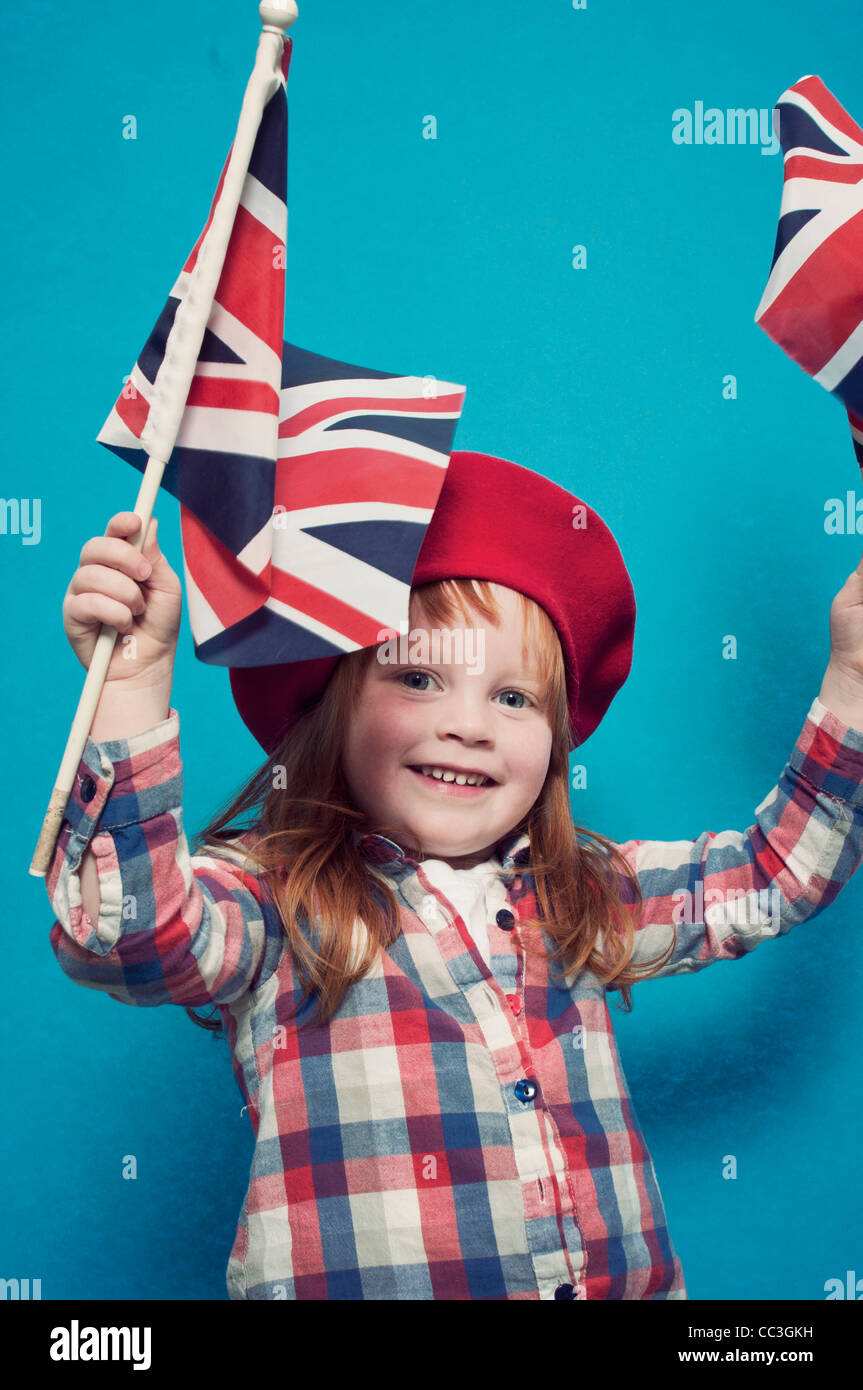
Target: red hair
[{"x": 300, "y": 833}]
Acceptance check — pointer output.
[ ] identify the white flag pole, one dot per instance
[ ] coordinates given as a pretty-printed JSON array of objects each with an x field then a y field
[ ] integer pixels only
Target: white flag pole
[{"x": 172, "y": 384}]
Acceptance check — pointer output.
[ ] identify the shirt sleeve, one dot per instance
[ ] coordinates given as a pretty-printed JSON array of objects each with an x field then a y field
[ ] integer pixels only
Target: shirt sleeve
[
  {"x": 173, "y": 927},
  {"x": 727, "y": 891}
]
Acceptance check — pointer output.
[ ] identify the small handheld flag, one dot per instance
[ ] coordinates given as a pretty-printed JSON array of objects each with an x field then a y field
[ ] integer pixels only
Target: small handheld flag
[
  {"x": 185, "y": 341},
  {"x": 812, "y": 305},
  {"x": 306, "y": 485},
  {"x": 305, "y": 549}
]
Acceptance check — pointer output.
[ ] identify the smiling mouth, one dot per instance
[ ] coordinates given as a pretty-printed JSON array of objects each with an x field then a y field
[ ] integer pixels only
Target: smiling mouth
[{"x": 467, "y": 781}]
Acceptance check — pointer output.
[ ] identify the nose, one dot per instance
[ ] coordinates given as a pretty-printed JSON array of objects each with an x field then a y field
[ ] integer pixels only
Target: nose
[{"x": 466, "y": 717}]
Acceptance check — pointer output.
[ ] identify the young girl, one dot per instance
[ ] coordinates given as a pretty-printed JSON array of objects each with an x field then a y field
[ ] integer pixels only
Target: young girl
[{"x": 408, "y": 941}]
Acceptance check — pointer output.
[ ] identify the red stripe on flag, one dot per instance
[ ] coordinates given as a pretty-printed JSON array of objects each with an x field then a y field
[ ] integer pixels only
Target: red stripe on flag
[
  {"x": 820, "y": 306},
  {"x": 324, "y": 478},
  {"x": 251, "y": 287},
  {"x": 229, "y": 588},
  {"x": 823, "y": 100},
  {"x": 338, "y": 405},
  {"x": 133, "y": 411},
  {"x": 806, "y": 166},
  {"x": 286, "y": 56},
  {"x": 324, "y": 608},
  {"x": 232, "y": 393}
]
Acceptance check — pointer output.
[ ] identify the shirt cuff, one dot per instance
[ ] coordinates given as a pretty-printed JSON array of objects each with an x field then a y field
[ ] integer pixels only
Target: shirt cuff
[
  {"x": 829, "y": 755},
  {"x": 124, "y": 781}
]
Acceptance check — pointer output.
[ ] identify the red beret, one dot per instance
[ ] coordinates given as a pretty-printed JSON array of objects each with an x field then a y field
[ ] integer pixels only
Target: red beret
[{"x": 498, "y": 521}]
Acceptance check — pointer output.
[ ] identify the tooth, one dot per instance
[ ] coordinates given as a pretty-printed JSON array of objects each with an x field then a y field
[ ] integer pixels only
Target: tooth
[{"x": 440, "y": 774}]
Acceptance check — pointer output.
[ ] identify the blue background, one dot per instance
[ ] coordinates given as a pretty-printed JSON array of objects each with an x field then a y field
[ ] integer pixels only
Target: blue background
[{"x": 450, "y": 257}]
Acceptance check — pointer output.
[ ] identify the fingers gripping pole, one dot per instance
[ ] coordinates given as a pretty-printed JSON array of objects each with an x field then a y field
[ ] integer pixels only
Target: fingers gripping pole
[{"x": 90, "y": 693}]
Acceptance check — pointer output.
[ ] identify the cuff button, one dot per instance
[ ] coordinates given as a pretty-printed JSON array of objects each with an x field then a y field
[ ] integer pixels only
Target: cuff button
[{"x": 88, "y": 788}]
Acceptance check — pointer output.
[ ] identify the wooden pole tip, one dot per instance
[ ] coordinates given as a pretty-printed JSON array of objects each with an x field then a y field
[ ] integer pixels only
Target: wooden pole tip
[{"x": 277, "y": 14}]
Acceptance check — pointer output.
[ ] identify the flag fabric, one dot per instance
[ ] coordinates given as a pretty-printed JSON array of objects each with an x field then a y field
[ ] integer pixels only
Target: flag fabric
[
  {"x": 306, "y": 484},
  {"x": 812, "y": 305}
]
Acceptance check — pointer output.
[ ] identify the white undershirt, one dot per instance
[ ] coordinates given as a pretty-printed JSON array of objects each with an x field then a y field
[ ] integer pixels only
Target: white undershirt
[{"x": 466, "y": 890}]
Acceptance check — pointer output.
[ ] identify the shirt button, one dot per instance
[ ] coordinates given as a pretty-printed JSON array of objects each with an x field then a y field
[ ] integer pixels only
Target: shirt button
[
  {"x": 88, "y": 789},
  {"x": 505, "y": 920},
  {"x": 564, "y": 1291},
  {"x": 525, "y": 1089},
  {"x": 514, "y": 1003}
]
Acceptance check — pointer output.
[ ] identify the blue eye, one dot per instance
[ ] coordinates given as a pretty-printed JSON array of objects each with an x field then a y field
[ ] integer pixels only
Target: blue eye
[
  {"x": 420, "y": 676},
  {"x": 423, "y": 675},
  {"x": 521, "y": 695}
]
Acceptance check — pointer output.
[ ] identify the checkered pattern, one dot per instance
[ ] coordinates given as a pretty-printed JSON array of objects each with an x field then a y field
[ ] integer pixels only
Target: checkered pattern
[{"x": 399, "y": 1151}]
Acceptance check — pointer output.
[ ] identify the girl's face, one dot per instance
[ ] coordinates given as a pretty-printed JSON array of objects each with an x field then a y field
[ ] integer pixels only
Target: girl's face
[{"x": 460, "y": 714}]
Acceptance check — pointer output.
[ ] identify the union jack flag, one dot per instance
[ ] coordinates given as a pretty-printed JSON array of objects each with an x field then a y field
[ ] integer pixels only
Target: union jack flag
[
  {"x": 305, "y": 484},
  {"x": 812, "y": 305}
]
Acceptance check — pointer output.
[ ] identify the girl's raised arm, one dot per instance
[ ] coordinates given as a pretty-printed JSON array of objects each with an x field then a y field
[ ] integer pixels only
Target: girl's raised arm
[
  {"x": 727, "y": 891},
  {"x": 170, "y": 927},
  {"x": 137, "y": 915}
]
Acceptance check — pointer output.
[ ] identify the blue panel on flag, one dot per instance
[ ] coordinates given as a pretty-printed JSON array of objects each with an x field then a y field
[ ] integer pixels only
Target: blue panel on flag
[
  {"x": 796, "y": 128},
  {"x": 208, "y": 487},
  {"x": 390, "y": 546},
  {"x": 264, "y": 639},
  {"x": 153, "y": 351},
  {"x": 302, "y": 368},
  {"x": 418, "y": 429},
  {"x": 269, "y": 161},
  {"x": 789, "y": 225},
  {"x": 214, "y": 350}
]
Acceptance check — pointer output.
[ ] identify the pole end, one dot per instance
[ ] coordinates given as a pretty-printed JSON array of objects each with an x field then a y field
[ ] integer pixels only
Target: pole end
[
  {"x": 277, "y": 14},
  {"x": 44, "y": 853}
]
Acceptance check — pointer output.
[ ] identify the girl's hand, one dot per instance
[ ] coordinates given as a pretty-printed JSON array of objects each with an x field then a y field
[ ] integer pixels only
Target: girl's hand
[
  {"x": 842, "y": 688},
  {"x": 110, "y": 586}
]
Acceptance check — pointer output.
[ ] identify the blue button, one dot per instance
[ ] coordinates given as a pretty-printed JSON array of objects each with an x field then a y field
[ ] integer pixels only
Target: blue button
[
  {"x": 505, "y": 920},
  {"x": 564, "y": 1291},
  {"x": 525, "y": 1089},
  {"x": 88, "y": 789}
]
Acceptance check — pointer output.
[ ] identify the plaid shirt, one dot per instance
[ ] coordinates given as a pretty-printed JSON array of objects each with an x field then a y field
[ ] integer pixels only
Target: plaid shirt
[{"x": 455, "y": 1131}]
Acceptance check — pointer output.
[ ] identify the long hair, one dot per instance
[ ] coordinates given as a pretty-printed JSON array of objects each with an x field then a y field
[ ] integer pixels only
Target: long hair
[{"x": 297, "y": 812}]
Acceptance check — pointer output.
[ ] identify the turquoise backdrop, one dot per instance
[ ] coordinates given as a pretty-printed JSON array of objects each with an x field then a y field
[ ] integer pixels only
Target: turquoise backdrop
[{"x": 454, "y": 257}]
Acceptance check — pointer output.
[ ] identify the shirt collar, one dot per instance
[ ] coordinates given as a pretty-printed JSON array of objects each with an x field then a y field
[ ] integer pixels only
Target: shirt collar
[{"x": 513, "y": 850}]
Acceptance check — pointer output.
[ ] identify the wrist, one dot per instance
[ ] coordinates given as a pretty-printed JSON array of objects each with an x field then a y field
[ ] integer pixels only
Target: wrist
[
  {"x": 842, "y": 692},
  {"x": 130, "y": 706}
]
